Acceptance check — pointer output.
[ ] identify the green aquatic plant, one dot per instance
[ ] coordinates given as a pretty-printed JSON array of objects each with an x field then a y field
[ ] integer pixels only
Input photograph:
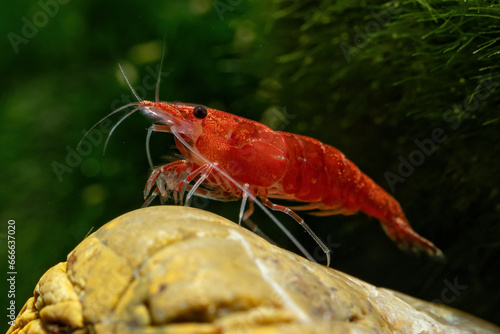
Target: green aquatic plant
[{"x": 410, "y": 91}]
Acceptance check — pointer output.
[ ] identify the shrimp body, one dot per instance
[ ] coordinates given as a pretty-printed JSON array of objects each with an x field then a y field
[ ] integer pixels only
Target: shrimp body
[{"x": 270, "y": 164}]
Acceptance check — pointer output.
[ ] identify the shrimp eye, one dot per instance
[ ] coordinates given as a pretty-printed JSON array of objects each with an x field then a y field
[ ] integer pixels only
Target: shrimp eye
[{"x": 200, "y": 112}]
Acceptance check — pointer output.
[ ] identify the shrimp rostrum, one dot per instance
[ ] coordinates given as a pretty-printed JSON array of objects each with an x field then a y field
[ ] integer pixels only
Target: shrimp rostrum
[{"x": 228, "y": 158}]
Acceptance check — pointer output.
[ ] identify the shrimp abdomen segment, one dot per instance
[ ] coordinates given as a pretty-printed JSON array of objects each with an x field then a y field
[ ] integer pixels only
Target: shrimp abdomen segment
[
  {"x": 317, "y": 172},
  {"x": 320, "y": 173},
  {"x": 306, "y": 173}
]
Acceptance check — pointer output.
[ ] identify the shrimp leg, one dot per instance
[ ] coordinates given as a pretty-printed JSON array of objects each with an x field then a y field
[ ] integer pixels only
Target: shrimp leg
[
  {"x": 299, "y": 220},
  {"x": 165, "y": 178}
]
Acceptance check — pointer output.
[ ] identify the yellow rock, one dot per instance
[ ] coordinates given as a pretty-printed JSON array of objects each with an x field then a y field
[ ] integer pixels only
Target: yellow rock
[{"x": 178, "y": 270}]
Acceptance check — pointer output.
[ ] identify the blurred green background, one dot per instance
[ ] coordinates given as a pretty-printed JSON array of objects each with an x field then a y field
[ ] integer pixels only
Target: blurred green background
[{"x": 369, "y": 79}]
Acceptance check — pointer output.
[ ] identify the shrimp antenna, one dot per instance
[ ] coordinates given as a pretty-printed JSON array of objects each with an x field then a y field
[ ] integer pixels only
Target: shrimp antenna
[
  {"x": 157, "y": 91},
  {"x": 129, "y": 85},
  {"x": 157, "y": 100},
  {"x": 104, "y": 118},
  {"x": 116, "y": 125},
  {"x": 114, "y": 112}
]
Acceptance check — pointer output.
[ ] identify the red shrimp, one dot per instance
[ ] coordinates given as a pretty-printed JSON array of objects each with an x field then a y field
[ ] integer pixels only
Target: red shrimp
[
  {"x": 271, "y": 164},
  {"x": 233, "y": 158}
]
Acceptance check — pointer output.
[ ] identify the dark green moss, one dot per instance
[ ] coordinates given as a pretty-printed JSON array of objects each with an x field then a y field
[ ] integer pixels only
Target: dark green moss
[{"x": 383, "y": 75}]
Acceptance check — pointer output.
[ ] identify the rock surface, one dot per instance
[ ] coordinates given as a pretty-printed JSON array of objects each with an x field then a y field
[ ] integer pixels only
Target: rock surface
[{"x": 178, "y": 270}]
